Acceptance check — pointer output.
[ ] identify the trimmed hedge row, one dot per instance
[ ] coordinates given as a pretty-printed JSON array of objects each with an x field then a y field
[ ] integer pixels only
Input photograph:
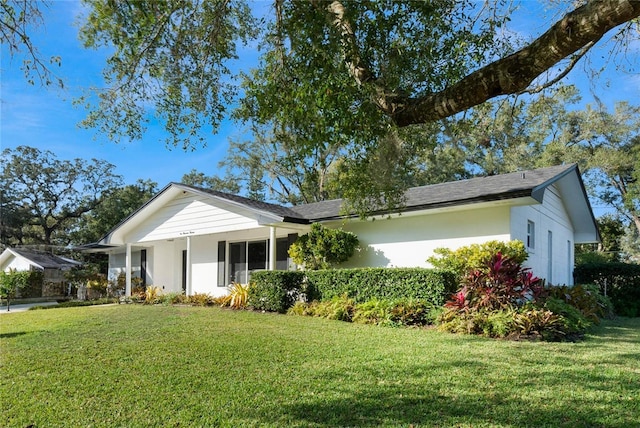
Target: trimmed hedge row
[
  {"x": 362, "y": 285},
  {"x": 619, "y": 281},
  {"x": 277, "y": 291}
]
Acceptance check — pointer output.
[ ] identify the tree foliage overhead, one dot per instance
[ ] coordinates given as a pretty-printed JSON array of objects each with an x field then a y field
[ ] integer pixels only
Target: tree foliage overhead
[
  {"x": 348, "y": 92},
  {"x": 18, "y": 18},
  {"x": 323, "y": 248},
  {"x": 333, "y": 76},
  {"x": 42, "y": 196},
  {"x": 356, "y": 67},
  {"x": 608, "y": 146}
]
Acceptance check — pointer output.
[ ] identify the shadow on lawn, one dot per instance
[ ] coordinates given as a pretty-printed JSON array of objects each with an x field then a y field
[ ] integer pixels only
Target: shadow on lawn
[
  {"x": 619, "y": 330},
  {"x": 396, "y": 406},
  {"x": 386, "y": 397},
  {"x": 14, "y": 334},
  {"x": 393, "y": 407}
]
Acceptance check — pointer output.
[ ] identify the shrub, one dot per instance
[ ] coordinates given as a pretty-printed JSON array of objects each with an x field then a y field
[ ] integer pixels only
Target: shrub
[
  {"x": 152, "y": 295},
  {"x": 406, "y": 312},
  {"x": 503, "y": 283},
  {"x": 618, "y": 281},
  {"x": 199, "y": 299},
  {"x": 506, "y": 300},
  {"x": 339, "y": 308},
  {"x": 237, "y": 297},
  {"x": 172, "y": 298},
  {"x": 365, "y": 284},
  {"x": 11, "y": 282},
  {"x": 474, "y": 257},
  {"x": 76, "y": 303},
  {"x": 221, "y": 300},
  {"x": 375, "y": 311},
  {"x": 378, "y": 312},
  {"x": 275, "y": 291},
  {"x": 586, "y": 298},
  {"x": 574, "y": 323},
  {"x": 323, "y": 247},
  {"x": 302, "y": 309},
  {"x": 497, "y": 323},
  {"x": 535, "y": 322}
]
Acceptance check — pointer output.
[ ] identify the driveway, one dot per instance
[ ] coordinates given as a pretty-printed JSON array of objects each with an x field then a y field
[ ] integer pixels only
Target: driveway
[{"x": 23, "y": 307}]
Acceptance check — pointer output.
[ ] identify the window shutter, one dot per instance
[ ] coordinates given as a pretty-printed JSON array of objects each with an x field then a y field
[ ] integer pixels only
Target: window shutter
[{"x": 222, "y": 245}]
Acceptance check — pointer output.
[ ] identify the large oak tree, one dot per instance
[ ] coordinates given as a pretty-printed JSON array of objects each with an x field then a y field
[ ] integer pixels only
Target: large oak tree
[
  {"x": 353, "y": 75},
  {"x": 386, "y": 62},
  {"x": 42, "y": 196}
]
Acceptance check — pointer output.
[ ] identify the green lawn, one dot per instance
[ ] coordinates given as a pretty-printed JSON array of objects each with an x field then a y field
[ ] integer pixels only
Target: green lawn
[{"x": 181, "y": 366}]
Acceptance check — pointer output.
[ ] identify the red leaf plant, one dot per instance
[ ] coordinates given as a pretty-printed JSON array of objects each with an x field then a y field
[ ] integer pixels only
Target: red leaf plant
[{"x": 505, "y": 283}]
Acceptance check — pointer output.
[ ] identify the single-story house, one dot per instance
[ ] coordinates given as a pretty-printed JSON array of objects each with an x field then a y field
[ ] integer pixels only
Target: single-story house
[
  {"x": 199, "y": 241},
  {"x": 52, "y": 266}
]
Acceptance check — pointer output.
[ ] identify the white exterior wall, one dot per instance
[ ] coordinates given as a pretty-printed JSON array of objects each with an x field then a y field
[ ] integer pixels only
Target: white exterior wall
[
  {"x": 164, "y": 260},
  {"x": 166, "y": 266},
  {"x": 189, "y": 215},
  {"x": 408, "y": 240},
  {"x": 552, "y": 216},
  {"x": 204, "y": 265},
  {"x": 17, "y": 263}
]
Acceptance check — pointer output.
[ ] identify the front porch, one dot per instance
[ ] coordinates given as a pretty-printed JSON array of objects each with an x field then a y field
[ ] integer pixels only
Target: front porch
[{"x": 203, "y": 263}]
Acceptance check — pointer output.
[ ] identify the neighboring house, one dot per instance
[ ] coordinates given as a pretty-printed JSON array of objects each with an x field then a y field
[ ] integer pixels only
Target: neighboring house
[
  {"x": 52, "y": 266},
  {"x": 199, "y": 241}
]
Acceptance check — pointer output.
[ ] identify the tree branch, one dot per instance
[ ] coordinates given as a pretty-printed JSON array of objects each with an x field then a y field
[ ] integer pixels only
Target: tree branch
[
  {"x": 576, "y": 30},
  {"x": 560, "y": 76},
  {"x": 358, "y": 70}
]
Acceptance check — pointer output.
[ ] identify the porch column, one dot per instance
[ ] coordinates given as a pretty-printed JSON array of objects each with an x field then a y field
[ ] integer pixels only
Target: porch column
[
  {"x": 272, "y": 248},
  {"x": 127, "y": 289},
  {"x": 188, "y": 290}
]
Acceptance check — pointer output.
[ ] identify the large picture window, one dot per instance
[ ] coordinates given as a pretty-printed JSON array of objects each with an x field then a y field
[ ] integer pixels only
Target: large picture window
[{"x": 251, "y": 256}]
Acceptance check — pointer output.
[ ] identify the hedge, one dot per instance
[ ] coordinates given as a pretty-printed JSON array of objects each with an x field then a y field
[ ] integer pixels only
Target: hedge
[
  {"x": 275, "y": 291},
  {"x": 364, "y": 284},
  {"x": 619, "y": 281}
]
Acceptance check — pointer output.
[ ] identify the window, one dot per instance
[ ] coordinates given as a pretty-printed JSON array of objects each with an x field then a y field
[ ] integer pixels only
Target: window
[
  {"x": 550, "y": 257},
  {"x": 569, "y": 264},
  {"x": 531, "y": 235},
  {"x": 249, "y": 256}
]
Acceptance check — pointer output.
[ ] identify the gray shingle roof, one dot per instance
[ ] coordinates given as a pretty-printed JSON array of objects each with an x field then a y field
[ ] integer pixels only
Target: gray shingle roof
[
  {"x": 46, "y": 260},
  {"x": 279, "y": 210},
  {"x": 530, "y": 183},
  {"x": 481, "y": 189}
]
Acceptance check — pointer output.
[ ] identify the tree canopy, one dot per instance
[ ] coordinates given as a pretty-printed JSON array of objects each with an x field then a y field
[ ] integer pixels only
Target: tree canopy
[
  {"x": 42, "y": 196},
  {"x": 340, "y": 68},
  {"x": 345, "y": 77},
  {"x": 348, "y": 92}
]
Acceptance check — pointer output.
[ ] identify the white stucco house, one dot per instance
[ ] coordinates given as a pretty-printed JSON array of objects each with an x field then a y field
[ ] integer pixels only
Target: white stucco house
[{"x": 199, "y": 240}]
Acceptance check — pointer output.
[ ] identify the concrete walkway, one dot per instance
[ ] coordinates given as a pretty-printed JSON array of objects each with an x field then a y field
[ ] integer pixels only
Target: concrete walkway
[{"x": 23, "y": 307}]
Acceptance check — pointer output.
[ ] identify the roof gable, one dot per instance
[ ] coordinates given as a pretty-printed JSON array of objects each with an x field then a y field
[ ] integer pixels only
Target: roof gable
[
  {"x": 151, "y": 221},
  {"x": 40, "y": 259}
]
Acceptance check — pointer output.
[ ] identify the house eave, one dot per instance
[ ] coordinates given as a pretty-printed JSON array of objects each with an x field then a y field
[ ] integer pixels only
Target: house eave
[{"x": 507, "y": 199}]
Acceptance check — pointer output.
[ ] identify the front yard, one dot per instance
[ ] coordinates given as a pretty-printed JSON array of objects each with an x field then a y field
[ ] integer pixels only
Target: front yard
[{"x": 138, "y": 365}]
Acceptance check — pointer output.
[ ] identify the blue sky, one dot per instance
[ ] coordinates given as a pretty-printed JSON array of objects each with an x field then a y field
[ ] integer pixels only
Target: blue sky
[{"x": 45, "y": 118}]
